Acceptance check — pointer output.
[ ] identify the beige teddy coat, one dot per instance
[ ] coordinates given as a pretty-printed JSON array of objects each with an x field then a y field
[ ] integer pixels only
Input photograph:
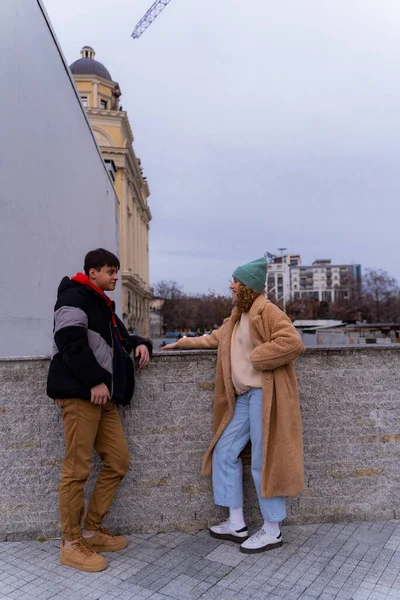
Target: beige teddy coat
[{"x": 277, "y": 345}]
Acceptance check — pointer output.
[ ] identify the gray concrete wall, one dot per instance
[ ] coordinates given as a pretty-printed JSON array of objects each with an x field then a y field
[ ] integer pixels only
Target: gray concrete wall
[
  {"x": 350, "y": 400},
  {"x": 56, "y": 198}
]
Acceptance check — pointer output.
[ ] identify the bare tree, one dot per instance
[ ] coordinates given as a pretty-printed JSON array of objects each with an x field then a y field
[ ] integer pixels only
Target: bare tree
[
  {"x": 213, "y": 309},
  {"x": 381, "y": 296},
  {"x": 180, "y": 311},
  {"x": 168, "y": 290},
  {"x": 172, "y": 294}
]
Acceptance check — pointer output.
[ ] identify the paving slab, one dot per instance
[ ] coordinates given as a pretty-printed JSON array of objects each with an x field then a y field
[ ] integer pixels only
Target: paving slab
[{"x": 354, "y": 561}]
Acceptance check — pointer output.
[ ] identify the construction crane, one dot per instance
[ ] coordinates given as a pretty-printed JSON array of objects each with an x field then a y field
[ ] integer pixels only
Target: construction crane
[{"x": 149, "y": 17}]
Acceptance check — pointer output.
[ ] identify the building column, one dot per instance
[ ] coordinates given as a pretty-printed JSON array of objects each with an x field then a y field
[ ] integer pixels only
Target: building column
[
  {"x": 130, "y": 238},
  {"x": 124, "y": 224},
  {"x": 134, "y": 241},
  {"x": 147, "y": 255},
  {"x": 137, "y": 242},
  {"x": 141, "y": 246}
]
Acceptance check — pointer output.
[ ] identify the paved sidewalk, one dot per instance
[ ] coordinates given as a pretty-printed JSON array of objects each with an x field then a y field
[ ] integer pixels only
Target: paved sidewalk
[{"x": 358, "y": 561}]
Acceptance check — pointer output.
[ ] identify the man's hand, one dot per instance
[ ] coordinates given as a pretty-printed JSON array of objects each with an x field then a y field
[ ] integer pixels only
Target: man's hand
[
  {"x": 144, "y": 356},
  {"x": 170, "y": 346},
  {"x": 100, "y": 394}
]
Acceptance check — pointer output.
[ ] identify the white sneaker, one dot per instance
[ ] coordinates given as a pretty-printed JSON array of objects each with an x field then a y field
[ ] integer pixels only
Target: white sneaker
[
  {"x": 261, "y": 542},
  {"x": 224, "y": 531}
]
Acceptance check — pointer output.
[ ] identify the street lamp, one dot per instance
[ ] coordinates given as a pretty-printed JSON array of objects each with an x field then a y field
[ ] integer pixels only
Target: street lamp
[{"x": 281, "y": 250}]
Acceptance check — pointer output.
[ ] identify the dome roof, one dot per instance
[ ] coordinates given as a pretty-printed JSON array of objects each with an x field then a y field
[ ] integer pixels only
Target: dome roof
[{"x": 88, "y": 66}]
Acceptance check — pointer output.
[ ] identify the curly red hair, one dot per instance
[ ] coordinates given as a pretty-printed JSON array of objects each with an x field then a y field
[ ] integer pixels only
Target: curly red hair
[{"x": 245, "y": 298}]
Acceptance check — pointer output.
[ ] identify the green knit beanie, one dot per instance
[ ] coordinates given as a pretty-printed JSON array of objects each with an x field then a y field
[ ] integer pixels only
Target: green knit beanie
[{"x": 253, "y": 274}]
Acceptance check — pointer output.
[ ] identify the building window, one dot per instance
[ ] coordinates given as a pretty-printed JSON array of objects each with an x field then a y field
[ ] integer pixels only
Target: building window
[
  {"x": 84, "y": 100},
  {"x": 103, "y": 104}
]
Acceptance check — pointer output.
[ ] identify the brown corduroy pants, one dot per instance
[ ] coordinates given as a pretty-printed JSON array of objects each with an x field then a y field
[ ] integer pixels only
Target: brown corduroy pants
[{"x": 88, "y": 426}]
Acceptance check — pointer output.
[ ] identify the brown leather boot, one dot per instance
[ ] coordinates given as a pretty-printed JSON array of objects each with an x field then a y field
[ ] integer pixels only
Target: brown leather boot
[
  {"x": 82, "y": 557},
  {"x": 104, "y": 541}
]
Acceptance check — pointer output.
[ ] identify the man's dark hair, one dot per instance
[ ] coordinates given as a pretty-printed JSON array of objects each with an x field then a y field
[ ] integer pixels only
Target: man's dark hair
[{"x": 97, "y": 259}]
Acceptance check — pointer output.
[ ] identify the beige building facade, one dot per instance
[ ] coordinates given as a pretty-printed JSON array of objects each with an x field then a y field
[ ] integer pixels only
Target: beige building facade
[{"x": 100, "y": 96}]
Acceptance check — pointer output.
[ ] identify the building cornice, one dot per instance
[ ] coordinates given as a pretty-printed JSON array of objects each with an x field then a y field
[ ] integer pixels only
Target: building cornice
[
  {"x": 136, "y": 284},
  {"x": 112, "y": 115},
  {"x": 95, "y": 79}
]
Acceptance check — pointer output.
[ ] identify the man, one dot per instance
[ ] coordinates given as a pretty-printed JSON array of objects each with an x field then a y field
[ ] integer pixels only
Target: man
[
  {"x": 255, "y": 400},
  {"x": 91, "y": 372}
]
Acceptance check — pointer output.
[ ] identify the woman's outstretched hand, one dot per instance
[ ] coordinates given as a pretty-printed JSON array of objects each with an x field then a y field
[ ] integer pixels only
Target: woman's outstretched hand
[{"x": 170, "y": 346}]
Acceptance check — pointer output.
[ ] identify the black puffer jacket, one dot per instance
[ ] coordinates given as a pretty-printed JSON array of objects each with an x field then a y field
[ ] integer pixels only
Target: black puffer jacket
[{"x": 91, "y": 345}]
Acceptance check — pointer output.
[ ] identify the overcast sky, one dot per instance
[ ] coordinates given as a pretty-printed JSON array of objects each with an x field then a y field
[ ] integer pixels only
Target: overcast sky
[{"x": 260, "y": 124}]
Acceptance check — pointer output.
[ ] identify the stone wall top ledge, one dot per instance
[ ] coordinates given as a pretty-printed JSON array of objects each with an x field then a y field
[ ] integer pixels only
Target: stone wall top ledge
[
  {"x": 168, "y": 353},
  {"x": 159, "y": 353},
  {"x": 352, "y": 349},
  {"x": 309, "y": 350},
  {"x": 23, "y": 358}
]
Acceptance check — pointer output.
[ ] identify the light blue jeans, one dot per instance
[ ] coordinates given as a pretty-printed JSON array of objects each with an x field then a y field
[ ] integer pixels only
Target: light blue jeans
[{"x": 246, "y": 424}]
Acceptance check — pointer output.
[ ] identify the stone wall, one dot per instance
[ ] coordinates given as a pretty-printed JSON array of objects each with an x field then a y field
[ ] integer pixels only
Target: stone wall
[{"x": 350, "y": 401}]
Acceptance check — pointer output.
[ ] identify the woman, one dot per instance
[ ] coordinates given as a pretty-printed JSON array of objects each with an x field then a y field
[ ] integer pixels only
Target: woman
[{"x": 255, "y": 399}]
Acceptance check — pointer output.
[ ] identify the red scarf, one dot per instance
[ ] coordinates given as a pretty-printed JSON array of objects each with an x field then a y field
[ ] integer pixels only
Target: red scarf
[{"x": 84, "y": 280}]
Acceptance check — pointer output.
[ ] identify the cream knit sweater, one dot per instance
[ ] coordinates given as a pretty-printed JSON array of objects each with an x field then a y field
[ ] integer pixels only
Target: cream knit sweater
[{"x": 244, "y": 376}]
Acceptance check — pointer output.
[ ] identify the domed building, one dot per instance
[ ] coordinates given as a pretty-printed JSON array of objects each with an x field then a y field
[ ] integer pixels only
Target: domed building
[
  {"x": 100, "y": 96},
  {"x": 88, "y": 66}
]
